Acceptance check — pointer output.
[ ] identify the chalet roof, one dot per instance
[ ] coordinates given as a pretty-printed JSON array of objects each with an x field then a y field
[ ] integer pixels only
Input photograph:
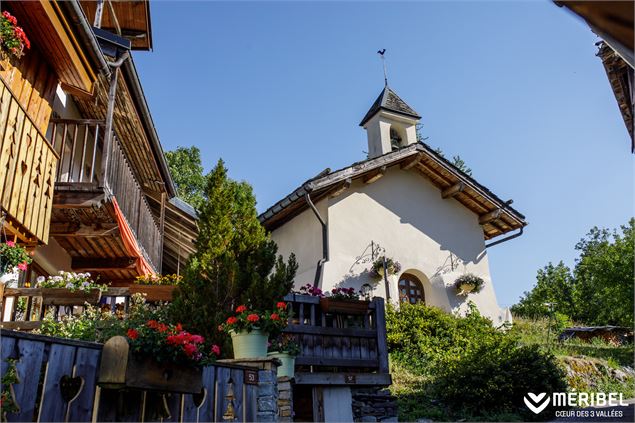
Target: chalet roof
[
  {"x": 495, "y": 215},
  {"x": 389, "y": 100},
  {"x": 619, "y": 64}
]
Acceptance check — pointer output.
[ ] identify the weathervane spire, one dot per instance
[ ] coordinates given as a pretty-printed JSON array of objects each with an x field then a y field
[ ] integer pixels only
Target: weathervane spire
[{"x": 383, "y": 60}]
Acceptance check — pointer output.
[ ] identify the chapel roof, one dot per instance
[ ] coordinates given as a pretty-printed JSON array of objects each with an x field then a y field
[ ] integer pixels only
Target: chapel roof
[
  {"x": 389, "y": 100},
  {"x": 495, "y": 216}
]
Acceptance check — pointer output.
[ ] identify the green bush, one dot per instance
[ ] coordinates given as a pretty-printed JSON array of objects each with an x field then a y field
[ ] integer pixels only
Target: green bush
[{"x": 472, "y": 369}]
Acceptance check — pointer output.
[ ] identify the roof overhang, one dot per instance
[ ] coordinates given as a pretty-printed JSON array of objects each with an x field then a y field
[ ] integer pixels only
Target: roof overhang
[
  {"x": 496, "y": 216},
  {"x": 55, "y": 38},
  {"x": 127, "y": 18}
]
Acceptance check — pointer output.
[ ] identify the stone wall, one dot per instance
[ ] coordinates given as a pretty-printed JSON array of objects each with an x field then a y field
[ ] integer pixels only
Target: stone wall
[
  {"x": 374, "y": 405},
  {"x": 285, "y": 399}
]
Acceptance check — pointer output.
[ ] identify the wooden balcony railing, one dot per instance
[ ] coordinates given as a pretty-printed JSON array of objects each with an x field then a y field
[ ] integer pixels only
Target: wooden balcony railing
[
  {"x": 336, "y": 345},
  {"x": 27, "y": 170},
  {"x": 80, "y": 144}
]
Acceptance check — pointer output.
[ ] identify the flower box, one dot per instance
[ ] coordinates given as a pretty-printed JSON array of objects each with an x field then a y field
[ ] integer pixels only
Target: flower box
[
  {"x": 339, "y": 306},
  {"x": 66, "y": 297},
  {"x": 120, "y": 368},
  {"x": 154, "y": 292}
]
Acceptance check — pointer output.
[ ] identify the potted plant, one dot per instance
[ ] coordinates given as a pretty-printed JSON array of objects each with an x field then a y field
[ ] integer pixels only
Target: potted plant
[
  {"x": 468, "y": 283},
  {"x": 67, "y": 288},
  {"x": 250, "y": 330},
  {"x": 285, "y": 349},
  {"x": 12, "y": 257},
  {"x": 156, "y": 287},
  {"x": 156, "y": 356},
  {"x": 13, "y": 40},
  {"x": 344, "y": 301},
  {"x": 377, "y": 268}
]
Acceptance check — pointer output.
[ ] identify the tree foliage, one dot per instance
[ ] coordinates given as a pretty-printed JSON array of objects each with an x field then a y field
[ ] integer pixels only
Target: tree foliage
[
  {"x": 187, "y": 173},
  {"x": 599, "y": 290},
  {"x": 235, "y": 261}
]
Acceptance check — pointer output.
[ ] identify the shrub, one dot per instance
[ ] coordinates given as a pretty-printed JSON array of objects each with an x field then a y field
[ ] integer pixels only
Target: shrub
[{"x": 472, "y": 368}]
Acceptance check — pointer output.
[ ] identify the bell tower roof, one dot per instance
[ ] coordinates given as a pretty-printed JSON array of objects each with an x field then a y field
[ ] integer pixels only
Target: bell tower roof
[{"x": 390, "y": 101}]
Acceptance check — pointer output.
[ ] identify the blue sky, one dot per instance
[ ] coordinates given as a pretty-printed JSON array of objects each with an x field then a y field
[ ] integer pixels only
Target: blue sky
[{"x": 278, "y": 89}]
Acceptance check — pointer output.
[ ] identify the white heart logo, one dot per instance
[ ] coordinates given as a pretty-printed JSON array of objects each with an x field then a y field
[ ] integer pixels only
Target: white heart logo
[{"x": 537, "y": 399}]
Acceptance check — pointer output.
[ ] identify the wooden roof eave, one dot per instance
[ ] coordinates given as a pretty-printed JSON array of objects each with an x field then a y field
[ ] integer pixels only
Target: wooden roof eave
[
  {"x": 473, "y": 197},
  {"x": 57, "y": 41}
]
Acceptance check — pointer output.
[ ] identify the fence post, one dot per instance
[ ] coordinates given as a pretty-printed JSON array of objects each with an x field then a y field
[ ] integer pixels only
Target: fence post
[{"x": 382, "y": 348}]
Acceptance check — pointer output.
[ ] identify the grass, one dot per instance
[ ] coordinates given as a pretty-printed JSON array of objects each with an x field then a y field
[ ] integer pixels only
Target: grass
[{"x": 536, "y": 332}]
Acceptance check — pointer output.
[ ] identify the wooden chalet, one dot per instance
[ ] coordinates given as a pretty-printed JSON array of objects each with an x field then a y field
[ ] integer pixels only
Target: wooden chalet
[{"x": 83, "y": 178}]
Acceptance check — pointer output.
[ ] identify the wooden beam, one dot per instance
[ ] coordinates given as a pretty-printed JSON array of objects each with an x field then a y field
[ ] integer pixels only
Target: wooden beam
[
  {"x": 374, "y": 176},
  {"x": 101, "y": 264},
  {"x": 489, "y": 217},
  {"x": 378, "y": 379},
  {"x": 453, "y": 190},
  {"x": 412, "y": 162},
  {"x": 347, "y": 183},
  {"x": 76, "y": 229}
]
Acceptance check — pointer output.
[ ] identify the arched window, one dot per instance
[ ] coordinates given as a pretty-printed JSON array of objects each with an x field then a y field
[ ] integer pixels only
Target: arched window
[
  {"x": 395, "y": 139},
  {"x": 410, "y": 289}
]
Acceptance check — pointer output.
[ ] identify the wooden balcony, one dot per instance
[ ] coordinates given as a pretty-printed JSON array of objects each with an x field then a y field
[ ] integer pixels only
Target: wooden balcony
[
  {"x": 88, "y": 196},
  {"x": 27, "y": 171},
  {"x": 339, "y": 349}
]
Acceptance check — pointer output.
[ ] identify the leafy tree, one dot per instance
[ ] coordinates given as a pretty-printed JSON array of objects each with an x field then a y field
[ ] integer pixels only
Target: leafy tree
[
  {"x": 236, "y": 262},
  {"x": 604, "y": 276},
  {"x": 599, "y": 291},
  {"x": 554, "y": 284},
  {"x": 187, "y": 173}
]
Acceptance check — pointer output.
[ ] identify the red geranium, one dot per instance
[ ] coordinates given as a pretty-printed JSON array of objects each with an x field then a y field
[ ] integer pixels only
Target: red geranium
[
  {"x": 275, "y": 316},
  {"x": 231, "y": 320},
  {"x": 241, "y": 308},
  {"x": 215, "y": 350},
  {"x": 132, "y": 334},
  {"x": 281, "y": 305},
  {"x": 253, "y": 318}
]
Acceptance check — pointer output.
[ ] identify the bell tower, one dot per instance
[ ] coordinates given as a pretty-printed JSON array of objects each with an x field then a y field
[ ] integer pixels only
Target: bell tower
[{"x": 390, "y": 124}]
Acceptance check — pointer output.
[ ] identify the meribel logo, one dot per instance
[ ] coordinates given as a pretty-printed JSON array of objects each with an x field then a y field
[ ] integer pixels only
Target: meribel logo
[{"x": 538, "y": 402}]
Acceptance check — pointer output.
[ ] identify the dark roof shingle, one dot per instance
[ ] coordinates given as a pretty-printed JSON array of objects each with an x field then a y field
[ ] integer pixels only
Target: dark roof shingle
[{"x": 389, "y": 100}]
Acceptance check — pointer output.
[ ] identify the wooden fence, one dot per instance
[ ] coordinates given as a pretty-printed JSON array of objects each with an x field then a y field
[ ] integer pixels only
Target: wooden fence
[{"x": 57, "y": 382}]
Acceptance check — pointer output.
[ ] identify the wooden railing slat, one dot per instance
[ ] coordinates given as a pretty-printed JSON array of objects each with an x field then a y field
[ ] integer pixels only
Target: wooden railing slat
[
  {"x": 206, "y": 411},
  {"x": 60, "y": 363},
  {"x": 86, "y": 367},
  {"x": 31, "y": 354}
]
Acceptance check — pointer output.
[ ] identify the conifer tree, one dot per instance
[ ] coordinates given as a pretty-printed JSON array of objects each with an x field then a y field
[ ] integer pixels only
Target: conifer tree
[{"x": 236, "y": 262}]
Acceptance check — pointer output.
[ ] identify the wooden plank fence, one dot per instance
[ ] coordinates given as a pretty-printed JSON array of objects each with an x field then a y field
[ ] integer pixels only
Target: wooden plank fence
[{"x": 58, "y": 382}]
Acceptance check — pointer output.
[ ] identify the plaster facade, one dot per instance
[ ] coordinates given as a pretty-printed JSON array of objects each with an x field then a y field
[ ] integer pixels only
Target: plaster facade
[{"x": 434, "y": 239}]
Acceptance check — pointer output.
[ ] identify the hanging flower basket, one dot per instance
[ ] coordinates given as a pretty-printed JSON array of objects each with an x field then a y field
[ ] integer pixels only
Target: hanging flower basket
[
  {"x": 377, "y": 268},
  {"x": 13, "y": 39},
  {"x": 468, "y": 283}
]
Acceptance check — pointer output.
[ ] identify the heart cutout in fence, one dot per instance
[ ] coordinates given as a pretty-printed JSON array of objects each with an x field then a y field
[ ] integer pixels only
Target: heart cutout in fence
[
  {"x": 70, "y": 387},
  {"x": 198, "y": 399}
]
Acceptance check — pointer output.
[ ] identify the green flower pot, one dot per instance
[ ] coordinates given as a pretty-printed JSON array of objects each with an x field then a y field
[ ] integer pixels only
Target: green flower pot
[
  {"x": 250, "y": 344},
  {"x": 287, "y": 368}
]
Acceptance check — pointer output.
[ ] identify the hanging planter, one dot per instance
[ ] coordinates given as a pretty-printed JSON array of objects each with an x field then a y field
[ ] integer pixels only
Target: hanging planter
[
  {"x": 13, "y": 258},
  {"x": 468, "y": 283},
  {"x": 377, "y": 268}
]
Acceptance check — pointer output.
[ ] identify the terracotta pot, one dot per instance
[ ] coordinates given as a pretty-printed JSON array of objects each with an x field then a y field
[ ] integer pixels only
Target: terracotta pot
[{"x": 331, "y": 305}]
